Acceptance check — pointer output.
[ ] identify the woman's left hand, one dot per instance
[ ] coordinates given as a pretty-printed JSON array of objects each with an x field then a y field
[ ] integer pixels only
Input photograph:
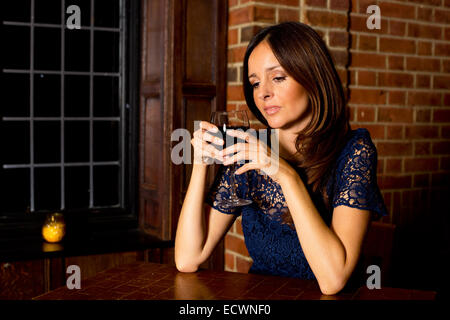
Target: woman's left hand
[{"x": 260, "y": 155}]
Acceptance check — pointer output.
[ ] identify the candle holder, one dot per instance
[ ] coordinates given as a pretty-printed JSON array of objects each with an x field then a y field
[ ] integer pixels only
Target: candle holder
[{"x": 54, "y": 227}]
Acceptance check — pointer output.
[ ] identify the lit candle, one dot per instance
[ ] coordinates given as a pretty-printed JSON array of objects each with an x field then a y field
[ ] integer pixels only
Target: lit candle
[{"x": 54, "y": 228}]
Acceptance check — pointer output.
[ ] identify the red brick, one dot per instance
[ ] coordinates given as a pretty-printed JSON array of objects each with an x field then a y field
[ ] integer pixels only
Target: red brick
[
  {"x": 368, "y": 60},
  {"x": 388, "y": 79},
  {"x": 232, "y": 3},
  {"x": 442, "y": 147},
  {"x": 424, "y": 98},
  {"x": 446, "y": 65},
  {"x": 446, "y": 99},
  {"x": 441, "y": 115},
  {"x": 367, "y": 78},
  {"x": 424, "y": 31},
  {"x": 421, "y": 180},
  {"x": 239, "y": 16},
  {"x": 442, "y": 16},
  {"x": 421, "y": 165},
  {"x": 394, "y": 148},
  {"x": 441, "y": 82},
  {"x": 235, "y": 93},
  {"x": 316, "y": 3},
  {"x": 376, "y": 131},
  {"x": 235, "y": 244},
  {"x": 339, "y": 5},
  {"x": 424, "y": 48},
  {"x": 242, "y": 265},
  {"x": 423, "y": 81},
  {"x": 442, "y": 49},
  {"x": 362, "y": 5},
  {"x": 395, "y": 114},
  {"x": 366, "y": 114},
  {"x": 424, "y": 13},
  {"x": 380, "y": 166},
  {"x": 396, "y": 62},
  {"x": 422, "y": 148},
  {"x": 288, "y": 15},
  {"x": 423, "y": 64},
  {"x": 232, "y": 36},
  {"x": 395, "y": 182},
  {"x": 251, "y": 13},
  {"x": 397, "y": 28},
  {"x": 445, "y": 132},
  {"x": 229, "y": 261},
  {"x": 367, "y": 96},
  {"x": 397, "y": 97},
  {"x": 338, "y": 39},
  {"x": 447, "y": 34},
  {"x": 340, "y": 57},
  {"x": 397, "y": 10},
  {"x": 445, "y": 163},
  {"x": 397, "y": 45},
  {"x": 292, "y": 3},
  {"x": 326, "y": 19},
  {"x": 367, "y": 43},
  {"x": 394, "y": 132},
  {"x": 393, "y": 165},
  {"x": 423, "y": 115},
  {"x": 238, "y": 226},
  {"x": 421, "y": 132},
  {"x": 236, "y": 54},
  {"x": 264, "y": 14}
]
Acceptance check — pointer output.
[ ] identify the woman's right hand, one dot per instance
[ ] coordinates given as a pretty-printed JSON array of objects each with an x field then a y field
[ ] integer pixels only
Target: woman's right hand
[{"x": 204, "y": 152}]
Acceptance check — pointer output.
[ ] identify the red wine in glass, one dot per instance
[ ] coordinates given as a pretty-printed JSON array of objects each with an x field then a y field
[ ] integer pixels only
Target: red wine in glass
[{"x": 236, "y": 120}]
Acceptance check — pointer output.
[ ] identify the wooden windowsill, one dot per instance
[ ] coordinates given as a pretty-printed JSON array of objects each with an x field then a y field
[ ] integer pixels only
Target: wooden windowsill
[{"x": 30, "y": 248}]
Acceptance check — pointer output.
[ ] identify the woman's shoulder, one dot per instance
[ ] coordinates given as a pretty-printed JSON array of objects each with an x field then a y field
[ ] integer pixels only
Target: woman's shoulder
[{"x": 359, "y": 140}]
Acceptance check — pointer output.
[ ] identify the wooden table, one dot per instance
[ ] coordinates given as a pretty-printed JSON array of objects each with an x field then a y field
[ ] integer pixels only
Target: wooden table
[{"x": 151, "y": 281}]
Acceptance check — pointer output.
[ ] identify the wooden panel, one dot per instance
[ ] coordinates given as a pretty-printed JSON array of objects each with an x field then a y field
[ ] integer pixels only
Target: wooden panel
[
  {"x": 154, "y": 36},
  {"x": 153, "y": 142},
  {"x": 21, "y": 279},
  {"x": 152, "y": 219},
  {"x": 200, "y": 41}
]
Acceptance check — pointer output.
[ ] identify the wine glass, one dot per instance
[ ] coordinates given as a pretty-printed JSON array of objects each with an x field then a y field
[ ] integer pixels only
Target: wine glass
[{"x": 236, "y": 120}]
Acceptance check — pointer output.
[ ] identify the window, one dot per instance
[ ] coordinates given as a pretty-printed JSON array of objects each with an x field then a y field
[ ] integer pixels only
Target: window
[{"x": 68, "y": 126}]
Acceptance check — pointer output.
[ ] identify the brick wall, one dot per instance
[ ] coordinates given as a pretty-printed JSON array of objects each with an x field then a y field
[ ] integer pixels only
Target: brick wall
[{"x": 398, "y": 84}]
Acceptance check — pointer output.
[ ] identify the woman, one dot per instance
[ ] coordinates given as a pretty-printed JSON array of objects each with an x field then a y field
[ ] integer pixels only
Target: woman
[{"x": 308, "y": 219}]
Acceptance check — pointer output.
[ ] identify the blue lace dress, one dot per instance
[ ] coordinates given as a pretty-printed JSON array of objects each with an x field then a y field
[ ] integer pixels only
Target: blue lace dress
[{"x": 269, "y": 231}]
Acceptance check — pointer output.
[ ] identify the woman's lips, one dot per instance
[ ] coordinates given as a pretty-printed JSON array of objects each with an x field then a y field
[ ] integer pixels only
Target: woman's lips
[{"x": 271, "y": 110}]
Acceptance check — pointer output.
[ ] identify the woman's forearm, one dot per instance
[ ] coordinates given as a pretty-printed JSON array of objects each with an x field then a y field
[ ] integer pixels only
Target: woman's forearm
[
  {"x": 323, "y": 249},
  {"x": 191, "y": 225}
]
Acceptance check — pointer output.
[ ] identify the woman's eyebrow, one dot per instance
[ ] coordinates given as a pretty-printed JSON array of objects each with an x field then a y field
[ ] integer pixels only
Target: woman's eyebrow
[{"x": 253, "y": 75}]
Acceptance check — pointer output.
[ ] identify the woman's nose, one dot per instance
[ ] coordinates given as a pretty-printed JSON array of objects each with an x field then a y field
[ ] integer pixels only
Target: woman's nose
[{"x": 265, "y": 92}]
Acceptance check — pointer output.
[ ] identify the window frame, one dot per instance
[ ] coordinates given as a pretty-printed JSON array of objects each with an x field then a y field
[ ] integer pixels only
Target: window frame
[{"x": 81, "y": 221}]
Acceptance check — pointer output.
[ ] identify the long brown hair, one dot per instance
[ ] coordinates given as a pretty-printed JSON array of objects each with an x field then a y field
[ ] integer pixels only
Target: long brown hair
[{"x": 304, "y": 56}]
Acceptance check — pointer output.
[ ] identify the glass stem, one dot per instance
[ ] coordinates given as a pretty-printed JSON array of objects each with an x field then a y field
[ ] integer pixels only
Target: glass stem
[{"x": 233, "y": 182}]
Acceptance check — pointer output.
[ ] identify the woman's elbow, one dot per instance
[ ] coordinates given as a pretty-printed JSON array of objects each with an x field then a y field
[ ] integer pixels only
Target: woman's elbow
[
  {"x": 186, "y": 267},
  {"x": 332, "y": 287}
]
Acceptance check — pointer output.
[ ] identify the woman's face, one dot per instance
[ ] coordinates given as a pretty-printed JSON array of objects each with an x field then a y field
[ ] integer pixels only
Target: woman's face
[{"x": 280, "y": 99}]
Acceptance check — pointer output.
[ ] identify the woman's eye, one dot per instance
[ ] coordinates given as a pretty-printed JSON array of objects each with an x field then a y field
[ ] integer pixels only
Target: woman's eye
[
  {"x": 255, "y": 85},
  {"x": 279, "y": 79}
]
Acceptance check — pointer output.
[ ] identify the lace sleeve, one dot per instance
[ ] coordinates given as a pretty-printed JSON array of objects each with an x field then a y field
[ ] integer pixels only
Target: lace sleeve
[
  {"x": 356, "y": 178},
  {"x": 221, "y": 189}
]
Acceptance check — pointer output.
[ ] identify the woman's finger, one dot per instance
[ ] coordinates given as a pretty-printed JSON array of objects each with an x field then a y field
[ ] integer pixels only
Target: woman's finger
[
  {"x": 242, "y": 135},
  {"x": 208, "y": 126},
  {"x": 236, "y": 148}
]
